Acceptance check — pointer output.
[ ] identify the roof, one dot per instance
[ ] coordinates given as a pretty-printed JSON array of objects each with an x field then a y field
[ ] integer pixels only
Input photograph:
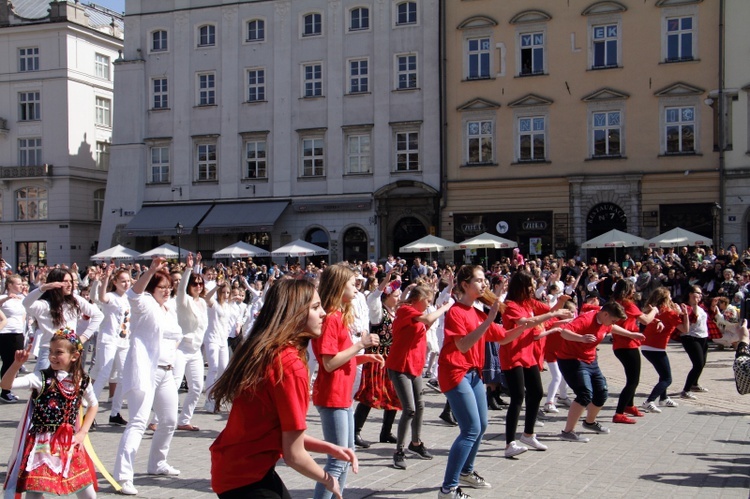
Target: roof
[
  {"x": 31, "y": 9},
  {"x": 100, "y": 18}
]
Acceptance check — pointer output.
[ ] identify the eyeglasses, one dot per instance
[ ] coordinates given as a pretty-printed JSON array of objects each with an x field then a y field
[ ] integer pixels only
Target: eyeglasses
[
  {"x": 164, "y": 288},
  {"x": 197, "y": 283}
]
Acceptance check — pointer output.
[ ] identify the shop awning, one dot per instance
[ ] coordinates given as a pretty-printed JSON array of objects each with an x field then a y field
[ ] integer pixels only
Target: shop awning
[
  {"x": 162, "y": 220},
  {"x": 242, "y": 217}
]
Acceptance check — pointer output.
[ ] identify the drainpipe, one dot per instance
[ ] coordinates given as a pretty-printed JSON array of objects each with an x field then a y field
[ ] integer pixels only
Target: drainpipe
[
  {"x": 443, "y": 124},
  {"x": 722, "y": 128}
]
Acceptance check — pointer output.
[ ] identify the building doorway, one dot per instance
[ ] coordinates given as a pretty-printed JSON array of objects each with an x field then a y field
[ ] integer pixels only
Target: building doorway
[
  {"x": 355, "y": 245},
  {"x": 407, "y": 229}
]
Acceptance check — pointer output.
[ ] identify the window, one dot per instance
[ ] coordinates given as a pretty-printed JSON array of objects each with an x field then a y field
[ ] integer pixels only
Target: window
[
  {"x": 256, "y": 30},
  {"x": 479, "y": 58},
  {"x": 359, "y": 19},
  {"x": 406, "y": 71},
  {"x": 532, "y": 139},
  {"x": 358, "y": 153},
  {"x": 406, "y": 13},
  {"x": 101, "y": 66},
  {"x": 29, "y": 106},
  {"x": 407, "y": 151},
  {"x": 480, "y": 139},
  {"x": 159, "y": 41},
  {"x": 680, "y": 38},
  {"x": 680, "y": 130},
  {"x": 206, "y": 89},
  {"x": 255, "y": 159},
  {"x": 605, "y": 39},
  {"x": 98, "y": 204},
  {"x": 207, "y": 35},
  {"x": 313, "y": 80},
  {"x": 312, "y": 24},
  {"x": 159, "y": 165},
  {"x": 161, "y": 93},
  {"x": 29, "y": 152},
  {"x": 31, "y": 203},
  {"x": 206, "y": 162},
  {"x": 256, "y": 85},
  {"x": 532, "y": 53},
  {"x": 102, "y": 155},
  {"x": 607, "y": 133},
  {"x": 103, "y": 112},
  {"x": 28, "y": 59},
  {"x": 31, "y": 252},
  {"x": 359, "y": 76},
  {"x": 313, "y": 159}
]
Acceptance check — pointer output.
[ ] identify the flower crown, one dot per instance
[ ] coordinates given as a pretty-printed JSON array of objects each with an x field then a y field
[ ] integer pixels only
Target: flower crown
[
  {"x": 392, "y": 286},
  {"x": 66, "y": 333}
]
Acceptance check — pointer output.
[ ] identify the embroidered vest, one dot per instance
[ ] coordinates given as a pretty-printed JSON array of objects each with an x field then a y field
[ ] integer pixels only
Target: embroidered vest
[{"x": 53, "y": 408}]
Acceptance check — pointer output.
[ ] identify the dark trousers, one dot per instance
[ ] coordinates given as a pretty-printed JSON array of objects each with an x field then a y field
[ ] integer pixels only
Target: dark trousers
[
  {"x": 660, "y": 361},
  {"x": 269, "y": 487},
  {"x": 630, "y": 358},
  {"x": 9, "y": 343},
  {"x": 518, "y": 379},
  {"x": 697, "y": 350}
]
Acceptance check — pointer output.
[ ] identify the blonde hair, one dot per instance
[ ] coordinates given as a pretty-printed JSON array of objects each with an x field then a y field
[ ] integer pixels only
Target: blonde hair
[{"x": 333, "y": 282}]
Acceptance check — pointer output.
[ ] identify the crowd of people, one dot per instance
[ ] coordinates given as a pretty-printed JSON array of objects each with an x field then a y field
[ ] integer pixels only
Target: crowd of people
[{"x": 276, "y": 337}]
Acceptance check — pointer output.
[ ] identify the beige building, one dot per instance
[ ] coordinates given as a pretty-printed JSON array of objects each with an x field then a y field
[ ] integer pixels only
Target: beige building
[{"x": 567, "y": 119}]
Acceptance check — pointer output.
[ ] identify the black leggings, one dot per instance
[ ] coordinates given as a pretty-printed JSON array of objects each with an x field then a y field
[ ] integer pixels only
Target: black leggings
[
  {"x": 630, "y": 358},
  {"x": 519, "y": 378},
  {"x": 697, "y": 350},
  {"x": 269, "y": 487},
  {"x": 9, "y": 343}
]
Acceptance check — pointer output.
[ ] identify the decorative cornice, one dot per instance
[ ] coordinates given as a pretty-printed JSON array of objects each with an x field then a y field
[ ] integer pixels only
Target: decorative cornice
[
  {"x": 477, "y": 22},
  {"x": 679, "y": 89},
  {"x": 605, "y": 94},
  {"x": 531, "y": 100},
  {"x": 530, "y": 16},
  {"x": 607, "y": 7},
  {"x": 478, "y": 104}
]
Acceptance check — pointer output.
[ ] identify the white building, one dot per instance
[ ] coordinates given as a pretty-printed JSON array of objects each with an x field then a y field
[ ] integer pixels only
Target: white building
[
  {"x": 55, "y": 127},
  {"x": 272, "y": 120}
]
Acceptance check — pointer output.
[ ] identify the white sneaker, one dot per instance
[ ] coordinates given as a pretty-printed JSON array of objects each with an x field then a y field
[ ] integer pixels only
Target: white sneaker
[
  {"x": 566, "y": 401},
  {"x": 166, "y": 471},
  {"x": 455, "y": 493},
  {"x": 668, "y": 402},
  {"x": 474, "y": 480},
  {"x": 128, "y": 489},
  {"x": 532, "y": 442},
  {"x": 513, "y": 449},
  {"x": 550, "y": 407},
  {"x": 650, "y": 407}
]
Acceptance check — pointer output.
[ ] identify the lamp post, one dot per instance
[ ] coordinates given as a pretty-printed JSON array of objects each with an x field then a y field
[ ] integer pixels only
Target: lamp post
[
  {"x": 716, "y": 212},
  {"x": 178, "y": 229}
]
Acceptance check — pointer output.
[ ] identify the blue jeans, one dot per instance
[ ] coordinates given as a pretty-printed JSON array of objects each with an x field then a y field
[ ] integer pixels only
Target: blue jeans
[
  {"x": 586, "y": 380},
  {"x": 338, "y": 428},
  {"x": 660, "y": 361},
  {"x": 469, "y": 405}
]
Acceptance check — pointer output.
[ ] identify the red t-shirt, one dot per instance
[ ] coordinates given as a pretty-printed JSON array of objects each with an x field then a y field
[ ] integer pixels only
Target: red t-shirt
[
  {"x": 629, "y": 324},
  {"x": 409, "y": 348},
  {"x": 453, "y": 365},
  {"x": 655, "y": 339},
  {"x": 552, "y": 345},
  {"x": 250, "y": 444},
  {"x": 585, "y": 352},
  {"x": 333, "y": 389},
  {"x": 523, "y": 351}
]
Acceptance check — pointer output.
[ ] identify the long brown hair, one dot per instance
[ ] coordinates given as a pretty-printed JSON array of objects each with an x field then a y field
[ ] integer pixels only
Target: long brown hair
[
  {"x": 333, "y": 282},
  {"x": 623, "y": 292},
  {"x": 464, "y": 275},
  {"x": 518, "y": 288},
  {"x": 76, "y": 367},
  {"x": 59, "y": 301},
  {"x": 282, "y": 322}
]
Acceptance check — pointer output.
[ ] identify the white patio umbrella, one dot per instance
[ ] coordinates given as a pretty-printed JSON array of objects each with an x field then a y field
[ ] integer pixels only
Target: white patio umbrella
[
  {"x": 166, "y": 250},
  {"x": 300, "y": 248},
  {"x": 614, "y": 239},
  {"x": 428, "y": 244},
  {"x": 241, "y": 249},
  {"x": 486, "y": 241},
  {"x": 678, "y": 237},
  {"x": 118, "y": 252}
]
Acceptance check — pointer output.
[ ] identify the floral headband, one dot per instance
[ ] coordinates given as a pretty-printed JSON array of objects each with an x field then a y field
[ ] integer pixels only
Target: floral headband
[
  {"x": 392, "y": 286},
  {"x": 66, "y": 333}
]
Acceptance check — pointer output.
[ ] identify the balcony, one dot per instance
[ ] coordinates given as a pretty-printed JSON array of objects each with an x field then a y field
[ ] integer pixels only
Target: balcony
[{"x": 23, "y": 172}]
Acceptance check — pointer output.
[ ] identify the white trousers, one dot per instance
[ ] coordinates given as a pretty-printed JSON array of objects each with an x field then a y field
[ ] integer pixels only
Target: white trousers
[
  {"x": 217, "y": 356},
  {"x": 110, "y": 360},
  {"x": 164, "y": 403},
  {"x": 189, "y": 365}
]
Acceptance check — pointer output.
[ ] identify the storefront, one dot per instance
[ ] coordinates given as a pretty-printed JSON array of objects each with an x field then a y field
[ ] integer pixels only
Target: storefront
[{"x": 532, "y": 230}]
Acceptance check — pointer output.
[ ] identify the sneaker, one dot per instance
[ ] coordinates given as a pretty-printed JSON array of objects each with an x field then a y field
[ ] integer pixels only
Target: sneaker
[
  {"x": 128, "y": 489},
  {"x": 538, "y": 423},
  {"x": 622, "y": 418},
  {"x": 8, "y": 398},
  {"x": 361, "y": 442},
  {"x": 474, "y": 480},
  {"x": 596, "y": 426},
  {"x": 532, "y": 442},
  {"x": 166, "y": 471},
  {"x": 433, "y": 385},
  {"x": 388, "y": 439},
  {"x": 651, "y": 407},
  {"x": 566, "y": 401},
  {"x": 571, "y": 436},
  {"x": 117, "y": 419},
  {"x": 420, "y": 450},
  {"x": 513, "y": 449},
  {"x": 668, "y": 402},
  {"x": 633, "y": 411},
  {"x": 688, "y": 395},
  {"x": 23, "y": 369},
  {"x": 399, "y": 460},
  {"x": 447, "y": 416},
  {"x": 698, "y": 388},
  {"x": 454, "y": 493},
  {"x": 549, "y": 407}
]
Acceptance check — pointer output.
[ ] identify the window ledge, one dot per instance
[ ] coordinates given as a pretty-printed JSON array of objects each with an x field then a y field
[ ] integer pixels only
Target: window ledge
[
  {"x": 606, "y": 158},
  {"x": 202, "y": 182},
  {"x": 357, "y": 30},
  {"x": 158, "y": 51},
  {"x": 603, "y": 68},
  {"x": 311, "y": 178},
  {"x": 312, "y": 97},
  {"x": 159, "y": 109},
  {"x": 406, "y": 172},
  {"x": 677, "y": 61},
  {"x": 249, "y": 180},
  {"x": 259, "y": 40},
  {"x": 203, "y": 106},
  {"x": 478, "y": 165},
  {"x": 532, "y": 162},
  {"x": 103, "y": 127},
  {"x": 311, "y": 35},
  {"x": 251, "y": 102},
  {"x": 406, "y": 90},
  {"x": 358, "y": 174},
  {"x": 531, "y": 75},
  {"x": 36, "y": 121},
  {"x": 678, "y": 154},
  {"x": 158, "y": 184},
  {"x": 477, "y": 78},
  {"x": 210, "y": 46},
  {"x": 356, "y": 94}
]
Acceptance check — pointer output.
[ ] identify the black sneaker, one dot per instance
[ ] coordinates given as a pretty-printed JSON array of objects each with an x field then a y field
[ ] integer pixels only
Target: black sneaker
[
  {"x": 8, "y": 398},
  {"x": 358, "y": 441},
  {"x": 420, "y": 450},
  {"x": 433, "y": 385},
  {"x": 399, "y": 460},
  {"x": 117, "y": 419},
  {"x": 388, "y": 439},
  {"x": 447, "y": 416}
]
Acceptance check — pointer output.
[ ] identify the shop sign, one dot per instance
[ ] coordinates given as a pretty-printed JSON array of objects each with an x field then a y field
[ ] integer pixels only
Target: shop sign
[
  {"x": 534, "y": 225},
  {"x": 502, "y": 227},
  {"x": 472, "y": 228}
]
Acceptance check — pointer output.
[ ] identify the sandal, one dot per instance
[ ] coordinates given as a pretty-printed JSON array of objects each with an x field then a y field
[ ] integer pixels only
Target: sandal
[{"x": 188, "y": 427}]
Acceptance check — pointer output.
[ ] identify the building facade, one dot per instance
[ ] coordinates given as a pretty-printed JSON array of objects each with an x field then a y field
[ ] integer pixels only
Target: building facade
[
  {"x": 568, "y": 119},
  {"x": 55, "y": 127},
  {"x": 273, "y": 120}
]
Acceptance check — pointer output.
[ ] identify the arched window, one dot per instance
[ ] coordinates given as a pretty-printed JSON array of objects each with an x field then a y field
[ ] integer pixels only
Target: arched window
[
  {"x": 31, "y": 203},
  {"x": 98, "y": 204},
  {"x": 318, "y": 237},
  {"x": 355, "y": 245},
  {"x": 159, "y": 41},
  {"x": 406, "y": 13},
  {"x": 207, "y": 35},
  {"x": 359, "y": 19},
  {"x": 312, "y": 24},
  {"x": 256, "y": 30}
]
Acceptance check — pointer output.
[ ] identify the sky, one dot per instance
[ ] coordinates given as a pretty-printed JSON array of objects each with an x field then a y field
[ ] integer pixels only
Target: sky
[{"x": 115, "y": 5}]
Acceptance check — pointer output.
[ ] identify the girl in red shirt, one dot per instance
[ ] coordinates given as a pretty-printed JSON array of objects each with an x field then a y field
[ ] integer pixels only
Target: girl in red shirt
[
  {"x": 404, "y": 365},
  {"x": 338, "y": 357},
  {"x": 626, "y": 349},
  {"x": 654, "y": 347},
  {"x": 266, "y": 383}
]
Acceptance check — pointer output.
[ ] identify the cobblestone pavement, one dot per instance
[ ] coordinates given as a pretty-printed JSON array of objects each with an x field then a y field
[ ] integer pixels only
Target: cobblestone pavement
[{"x": 701, "y": 448}]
